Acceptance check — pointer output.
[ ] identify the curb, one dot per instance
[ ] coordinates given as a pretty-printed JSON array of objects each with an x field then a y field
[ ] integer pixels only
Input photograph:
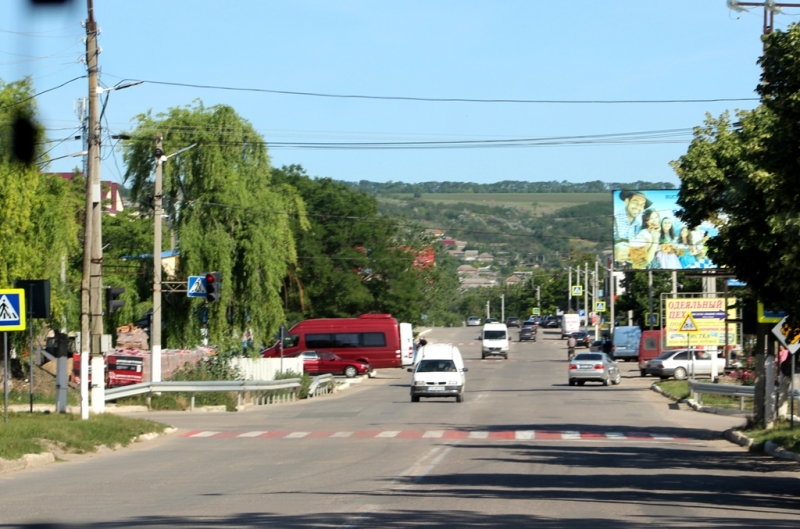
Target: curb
[
  {"x": 29, "y": 461},
  {"x": 734, "y": 436}
]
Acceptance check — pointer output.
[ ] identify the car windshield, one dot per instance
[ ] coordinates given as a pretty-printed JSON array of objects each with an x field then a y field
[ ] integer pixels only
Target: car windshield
[
  {"x": 494, "y": 335},
  {"x": 432, "y": 366},
  {"x": 588, "y": 357}
]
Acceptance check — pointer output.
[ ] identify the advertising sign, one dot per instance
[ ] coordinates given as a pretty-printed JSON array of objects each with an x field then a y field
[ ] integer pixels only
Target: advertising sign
[
  {"x": 649, "y": 236},
  {"x": 698, "y": 321}
]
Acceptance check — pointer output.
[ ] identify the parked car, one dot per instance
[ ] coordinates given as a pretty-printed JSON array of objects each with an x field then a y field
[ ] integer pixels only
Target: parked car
[
  {"x": 512, "y": 321},
  {"x": 321, "y": 362},
  {"x": 527, "y": 333},
  {"x": 594, "y": 367},
  {"x": 490, "y": 320},
  {"x": 473, "y": 321},
  {"x": 582, "y": 338},
  {"x": 550, "y": 322},
  {"x": 596, "y": 346},
  {"x": 679, "y": 364}
]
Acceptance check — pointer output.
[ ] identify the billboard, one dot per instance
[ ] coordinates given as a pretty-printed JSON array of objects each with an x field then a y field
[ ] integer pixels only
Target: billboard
[
  {"x": 699, "y": 321},
  {"x": 648, "y": 235}
]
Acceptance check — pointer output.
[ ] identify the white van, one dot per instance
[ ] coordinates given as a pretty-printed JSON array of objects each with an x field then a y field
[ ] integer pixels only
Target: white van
[
  {"x": 439, "y": 373},
  {"x": 494, "y": 340},
  {"x": 570, "y": 323},
  {"x": 406, "y": 344}
]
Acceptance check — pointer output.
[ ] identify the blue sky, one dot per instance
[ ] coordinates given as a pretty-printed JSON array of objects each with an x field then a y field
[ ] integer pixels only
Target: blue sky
[{"x": 501, "y": 49}]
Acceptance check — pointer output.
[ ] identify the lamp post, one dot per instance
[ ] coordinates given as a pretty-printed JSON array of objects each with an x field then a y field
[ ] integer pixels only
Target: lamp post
[{"x": 155, "y": 327}]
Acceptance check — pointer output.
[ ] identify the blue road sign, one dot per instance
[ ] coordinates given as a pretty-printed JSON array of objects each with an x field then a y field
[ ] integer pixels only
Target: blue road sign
[
  {"x": 581, "y": 313},
  {"x": 197, "y": 287},
  {"x": 12, "y": 309}
]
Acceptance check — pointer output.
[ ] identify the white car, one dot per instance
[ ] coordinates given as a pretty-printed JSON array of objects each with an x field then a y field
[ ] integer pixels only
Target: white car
[
  {"x": 439, "y": 373},
  {"x": 473, "y": 321},
  {"x": 678, "y": 364}
]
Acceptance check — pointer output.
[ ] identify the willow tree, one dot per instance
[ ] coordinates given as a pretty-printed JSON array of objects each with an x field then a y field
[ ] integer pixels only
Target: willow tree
[
  {"x": 226, "y": 216},
  {"x": 39, "y": 213}
]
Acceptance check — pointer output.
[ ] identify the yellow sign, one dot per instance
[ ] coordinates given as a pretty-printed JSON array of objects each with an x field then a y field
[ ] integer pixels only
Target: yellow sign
[
  {"x": 765, "y": 316},
  {"x": 699, "y": 321},
  {"x": 577, "y": 291},
  {"x": 600, "y": 306},
  {"x": 12, "y": 309},
  {"x": 535, "y": 311}
]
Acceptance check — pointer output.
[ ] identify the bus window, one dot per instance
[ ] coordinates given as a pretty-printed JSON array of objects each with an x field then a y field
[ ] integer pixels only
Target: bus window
[
  {"x": 373, "y": 339},
  {"x": 346, "y": 340},
  {"x": 319, "y": 341}
]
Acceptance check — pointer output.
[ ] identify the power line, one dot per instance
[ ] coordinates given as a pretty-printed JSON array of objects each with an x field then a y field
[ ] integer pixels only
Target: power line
[{"x": 457, "y": 99}]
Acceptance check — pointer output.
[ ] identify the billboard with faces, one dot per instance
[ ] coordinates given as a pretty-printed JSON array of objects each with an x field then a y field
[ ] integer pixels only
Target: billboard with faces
[{"x": 648, "y": 235}]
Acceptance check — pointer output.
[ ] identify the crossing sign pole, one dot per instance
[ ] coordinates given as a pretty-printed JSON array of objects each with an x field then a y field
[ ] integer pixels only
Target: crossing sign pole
[{"x": 12, "y": 318}]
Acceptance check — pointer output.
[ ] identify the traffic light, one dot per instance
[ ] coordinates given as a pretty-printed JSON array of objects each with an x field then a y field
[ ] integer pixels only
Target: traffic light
[
  {"x": 213, "y": 286},
  {"x": 113, "y": 303}
]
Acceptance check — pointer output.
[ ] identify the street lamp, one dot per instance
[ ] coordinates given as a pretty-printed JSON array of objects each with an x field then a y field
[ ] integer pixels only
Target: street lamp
[{"x": 155, "y": 328}]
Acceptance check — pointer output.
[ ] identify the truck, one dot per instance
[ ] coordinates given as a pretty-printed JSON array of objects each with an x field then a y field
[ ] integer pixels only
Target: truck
[{"x": 570, "y": 323}]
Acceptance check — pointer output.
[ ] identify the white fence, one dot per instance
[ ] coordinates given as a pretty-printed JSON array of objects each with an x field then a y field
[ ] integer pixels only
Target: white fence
[{"x": 266, "y": 368}]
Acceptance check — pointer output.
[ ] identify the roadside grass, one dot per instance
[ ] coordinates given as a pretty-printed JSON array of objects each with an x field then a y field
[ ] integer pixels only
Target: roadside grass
[
  {"x": 43, "y": 397},
  {"x": 27, "y": 433},
  {"x": 679, "y": 389},
  {"x": 782, "y": 435}
]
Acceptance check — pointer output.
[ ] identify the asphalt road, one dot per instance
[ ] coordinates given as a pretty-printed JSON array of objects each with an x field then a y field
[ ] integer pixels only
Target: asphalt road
[{"x": 524, "y": 450}]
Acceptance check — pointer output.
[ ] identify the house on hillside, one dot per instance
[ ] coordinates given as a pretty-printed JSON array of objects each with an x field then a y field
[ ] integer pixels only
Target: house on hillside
[
  {"x": 485, "y": 258},
  {"x": 514, "y": 281},
  {"x": 467, "y": 270},
  {"x": 470, "y": 255}
]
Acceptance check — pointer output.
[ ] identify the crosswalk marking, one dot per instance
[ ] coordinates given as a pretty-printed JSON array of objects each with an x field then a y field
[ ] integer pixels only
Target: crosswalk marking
[
  {"x": 252, "y": 434},
  {"x": 433, "y": 434},
  {"x": 297, "y": 435},
  {"x": 493, "y": 435}
]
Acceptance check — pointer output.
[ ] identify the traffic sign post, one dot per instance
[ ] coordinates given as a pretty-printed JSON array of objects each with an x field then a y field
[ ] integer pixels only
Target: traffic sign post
[
  {"x": 689, "y": 326},
  {"x": 652, "y": 319},
  {"x": 536, "y": 311},
  {"x": 577, "y": 290},
  {"x": 600, "y": 306},
  {"x": 12, "y": 318}
]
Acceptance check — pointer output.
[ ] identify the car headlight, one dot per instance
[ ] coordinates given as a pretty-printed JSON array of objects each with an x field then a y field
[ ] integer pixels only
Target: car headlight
[{"x": 452, "y": 383}]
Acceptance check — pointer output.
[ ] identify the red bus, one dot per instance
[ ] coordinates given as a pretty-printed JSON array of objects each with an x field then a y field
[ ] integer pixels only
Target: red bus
[{"x": 376, "y": 339}]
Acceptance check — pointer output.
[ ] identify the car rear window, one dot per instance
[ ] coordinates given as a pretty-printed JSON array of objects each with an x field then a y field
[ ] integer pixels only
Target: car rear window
[
  {"x": 589, "y": 357},
  {"x": 433, "y": 366}
]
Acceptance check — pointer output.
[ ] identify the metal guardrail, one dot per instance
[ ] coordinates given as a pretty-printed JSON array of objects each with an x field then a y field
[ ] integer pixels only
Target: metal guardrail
[
  {"x": 259, "y": 391},
  {"x": 699, "y": 388},
  {"x": 321, "y": 385}
]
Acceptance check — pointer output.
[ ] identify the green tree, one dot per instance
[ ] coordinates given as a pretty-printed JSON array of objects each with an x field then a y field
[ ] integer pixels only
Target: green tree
[
  {"x": 743, "y": 177},
  {"x": 39, "y": 213},
  {"x": 227, "y": 214}
]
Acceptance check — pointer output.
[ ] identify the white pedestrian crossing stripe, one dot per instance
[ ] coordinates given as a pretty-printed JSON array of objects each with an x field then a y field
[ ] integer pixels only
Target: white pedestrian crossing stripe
[
  {"x": 252, "y": 434},
  {"x": 525, "y": 434},
  {"x": 297, "y": 435},
  {"x": 433, "y": 434},
  {"x": 388, "y": 434}
]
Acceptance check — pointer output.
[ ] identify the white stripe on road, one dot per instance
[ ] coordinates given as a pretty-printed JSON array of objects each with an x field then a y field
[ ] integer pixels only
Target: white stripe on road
[
  {"x": 433, "y": 434},
  {"x": 342, "y": 434},
  {"x": 478, "y": 435},
  {"x": 662, "y": 437},
  {"x": 571, "y": 435},
  {"x": 296, "y": 435},
  {"x": 251, "y": 434},
  {"x": 388, "y": 434},
  {"x": 525, "y": 434},
  {"x": 615, "y": 435},
  {"x": 205, "y": 434}
]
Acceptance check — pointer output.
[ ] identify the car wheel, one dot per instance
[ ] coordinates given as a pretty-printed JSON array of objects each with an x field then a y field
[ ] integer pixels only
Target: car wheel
[
  {"x": 350, "y": 371},
  {"x": 617, "y": 379},
  {"x": 414, "y": 398},
  {"x": 460, "y": 398},
  {"x": 483, "y": 357},
  {"x": 581, "y": 382},
  {"x": 643, "y": 372},
  {"x": 505, "y": 357},
  {"x": 663, "y": 377},
  {"x": 571, "y": 382},
  {"x": 680, "y": 373},
  {"x": 371, "y": 373},
  {"x": 607, "y": 381}
]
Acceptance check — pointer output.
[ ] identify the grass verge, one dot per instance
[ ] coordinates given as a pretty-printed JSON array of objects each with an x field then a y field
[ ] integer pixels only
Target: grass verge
[
  {"x": 679, "y": 389},
  {"x": 26, "y": 433},
  {"x": 782, "y": 435}
]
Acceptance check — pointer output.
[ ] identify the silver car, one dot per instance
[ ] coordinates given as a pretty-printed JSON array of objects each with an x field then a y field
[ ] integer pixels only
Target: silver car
[
  {"x": 595, "y": 367},
  {"x": 473, "y": 321},
  {"x": 679, "y": 364}
]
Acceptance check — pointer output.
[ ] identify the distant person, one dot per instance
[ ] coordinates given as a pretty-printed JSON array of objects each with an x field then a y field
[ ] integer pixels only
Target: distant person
[
  {"x": 571, "y": 344},
  {"x": 423, "y": 342},
  {"x": 607, "y": 346}
]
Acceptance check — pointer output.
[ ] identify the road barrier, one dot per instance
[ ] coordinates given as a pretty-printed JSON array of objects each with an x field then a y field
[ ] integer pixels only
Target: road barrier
[
  {"x": 697, "y": 390},
  {"x": 257, "y": 392}
]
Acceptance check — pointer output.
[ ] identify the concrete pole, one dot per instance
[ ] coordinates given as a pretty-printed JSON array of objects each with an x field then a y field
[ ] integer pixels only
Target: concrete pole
[
  {"x": 611, "y": 288},
  {"x": 569, "y": 291},
  {"x": 155, "y": 329},
  {"x": 586, "y": 294},
  {"x": 502, "y": 307},
  {"x": 91, "y": 61},
  {"x": 594, "y": 301}
]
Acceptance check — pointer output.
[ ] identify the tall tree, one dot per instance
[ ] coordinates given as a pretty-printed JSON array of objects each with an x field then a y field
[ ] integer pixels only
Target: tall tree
[
  {"x": 743, "y": 177},
  {"x": 227, "y": 214}
]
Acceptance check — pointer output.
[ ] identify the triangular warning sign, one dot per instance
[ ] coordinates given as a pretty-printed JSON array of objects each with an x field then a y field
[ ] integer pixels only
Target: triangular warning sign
[
  {"x": 688, "y": 324},
  {"x": 198, "y": 287},
  {"x": 7, "y": 312}
]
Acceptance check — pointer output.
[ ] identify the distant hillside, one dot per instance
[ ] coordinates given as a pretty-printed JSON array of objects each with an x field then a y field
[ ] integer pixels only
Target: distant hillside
[{"x": 505, "y": 186}]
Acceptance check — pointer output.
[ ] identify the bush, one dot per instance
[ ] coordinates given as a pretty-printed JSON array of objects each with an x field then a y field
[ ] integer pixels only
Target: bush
[{"x": 305, "y": 381}]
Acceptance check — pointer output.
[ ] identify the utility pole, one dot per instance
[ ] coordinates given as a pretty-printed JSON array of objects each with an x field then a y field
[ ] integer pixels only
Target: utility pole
[
  {"x": 770, "y": 8},
  {"x": 92, "y": 189},
  {"x": 155, "y": 326},
  {"x": 569, "y": 291},
  {"x": 586, "y": 294}
]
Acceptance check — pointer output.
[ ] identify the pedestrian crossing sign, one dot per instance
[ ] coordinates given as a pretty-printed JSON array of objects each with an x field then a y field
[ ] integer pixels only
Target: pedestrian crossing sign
[
  {"x": 688, "y": 324},
  {"x": 536, "y": 311},
  {"x": 197, "y": 287},
  {"x": 12, "y": 309},
  {"x": 600, "y": 306},
  {"x": 577, "y": 291}
]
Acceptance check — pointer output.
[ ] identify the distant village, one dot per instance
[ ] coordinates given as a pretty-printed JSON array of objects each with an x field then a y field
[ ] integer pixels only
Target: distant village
[{"x": 479, "y": 273}]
